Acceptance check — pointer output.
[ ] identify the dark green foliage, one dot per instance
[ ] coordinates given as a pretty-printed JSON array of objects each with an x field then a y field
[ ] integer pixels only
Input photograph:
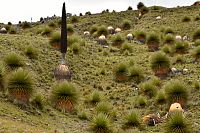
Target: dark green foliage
[
  {"x": 31, "y": 52},
  {"x": 177, "y": 124},
  {"x": 88, "y": 13},
  {"x": 186, "y": 19},
  {"x": 26, "y": 25},
  {"x": 149, "y": 89},
  {"x": 130, "y": 8},
  {"x": 176, "y": 91},
  {"x": 126, "y": 24},
  {"x": 20, "y": 85},
  {"x": 196, "y": 35},
  {"x": 101, "y": 124},
  {"x": 140, "y": 5},
  {"x": 13, "y": 60},
  {"x": 132, "y": 120},
  {"x": 9, "y": 23},
  {"x": 12, "y": 30}
]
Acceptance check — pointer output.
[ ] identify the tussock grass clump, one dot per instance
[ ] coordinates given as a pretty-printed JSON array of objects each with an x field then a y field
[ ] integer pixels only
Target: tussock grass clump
[
  {"x": 176, "y": 92},
  {"x": 76, "y": 48},
  {"x": 197, "y": 42},
  {"x": 127, "y": 46},
  {"x": 93, "y": 29},
  {"x": 196, "y": 35},
  {"x": 153, "y": 41},
  {"x": 121, "y": 72},
  {"x": 95, "y": 97},
  {"x": 177, "y": 124},
  {"x": 70, "y": 29},
  {"x": 31, "y": 52},
  {"x": 12, "y": 30},
  {"x": 38, "y": 102},
  {"x": 102, "y": 30},
  {"x": 2, "y": 76},
  {"x": 55, "y": 39},
  {"x": 117, "y": 40},
  {"x": 46, "y": 31},
  {"x": 167, "y": 49},
  {"x": 101, "y": 124},
  {"x": 179, "y": 59},
  {"x": 140, "y": 36},
  {"x": 148, "y": 89},
  {"x": 196, "y": 53},
  {"x": 161, "y": 98},
  {"x": 126, "y": 24},
  {"x": 52, "y": 24},
  {"x": 144, "y": 10},
  {"x": 197, "y": 85},
  {"x": 169, "y": 30},
  {"x": 160, "y": 64},
  {"x": 197, "y": 18},
  {"x": 181, "y": 47},
  {"x": 136, "y": 74},
  {"x": 64, "y": 96},
  {"x": 71, "y": 40},
  {"x": 186, "y": 19},
  {"x": 74, "y": 19},
  {"x": 104, "y": 107},
  {"x": 13, "y": 60},
  {"x": 141, "y": 101},
  {"x": 169, "y": 39},
  {"x": 83, "y": 116},
  {"x": 140, "y": 5},
  {"x": 20, "y": 86},
  {"x": 132, "y": 120}
]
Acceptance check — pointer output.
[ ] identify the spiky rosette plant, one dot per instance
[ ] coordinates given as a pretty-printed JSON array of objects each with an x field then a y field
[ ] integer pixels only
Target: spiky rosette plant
[
  {"x": 176, "y": 123},
  {"x": 121, "y": 72},
  {"x": 148, "y": 89},
  {"x": 101, "y": 124},
  {"x": 132, "y": 120},
  {"x": 136, "y": 74},
  {"x": 181, "y": 47},
  {"x": 31, "y": 52},
  {"x": 95, "y": 97},
  {"x": 153, "y": 42},
  {"x": 20, "y": 86},
  {"x": 64, "y": 96},
  {"x": 13, "y": 60},
  {"x": 38, "y": 102},
  {"x": 126, "y": 24},
  {"x": 176, "y": 92},
  {"x": 2, "y": 76},
  {"x": 160, "y": 64},
  {"x": 196, "y": 53},
  {"x": 169, "y": 39},
  {"x": 196, "y": 35},
  {"x": 104, "y": 107}
]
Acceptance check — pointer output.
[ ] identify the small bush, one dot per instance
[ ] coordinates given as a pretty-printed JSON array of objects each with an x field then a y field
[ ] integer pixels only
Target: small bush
[
  {"x": 181, "y": 47},
  {"x": 140, "y": 5},
  {"x": 102, "y": 30},
  {"x": 12, "y": 30},
  {"x": 141, "y": 36},
  {"x": 46, "y": 31},
  {"x": 126, "y": 24},
  {"x": 13, "y": 60},
  {"x": 144, "y": 10},
  {"x": 31, "y": 52},
  {"x": 75, "y": 39},
  {"x": 136, "y": 74},
  {"x": 130, "y": 8},
  {"x": 64, "y": 96},
  {"x": 177, "y": 124},
  {"x": 101, "y": 124},
  {"x": 132, "y": 120},
  {"x": 176, "y": 91},
  {"x": 76, "y": 48},
  {"x": 26, "y": 25},
  {"x": 186, "y": 19},
  {"x": 117, "y": 40},
  {"x": 20, "y": 86},
  {"x": 153, "y": 42},
  {"x": 121, "y": 72},
  {"x": 196, "y": 35},
  {"x": 70, "y": 29},
  {"x": 93, "y": 29},
  {"x": 149, "y": 89},
  {"x": 52, "y": 24}
]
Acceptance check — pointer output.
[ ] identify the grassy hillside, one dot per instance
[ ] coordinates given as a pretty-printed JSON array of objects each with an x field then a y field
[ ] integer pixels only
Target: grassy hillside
[{"x": 93, "y": 70}]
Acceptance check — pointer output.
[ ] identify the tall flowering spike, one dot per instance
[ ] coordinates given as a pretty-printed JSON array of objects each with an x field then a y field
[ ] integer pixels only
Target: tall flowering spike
[{"x": 63, "y": 31}]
